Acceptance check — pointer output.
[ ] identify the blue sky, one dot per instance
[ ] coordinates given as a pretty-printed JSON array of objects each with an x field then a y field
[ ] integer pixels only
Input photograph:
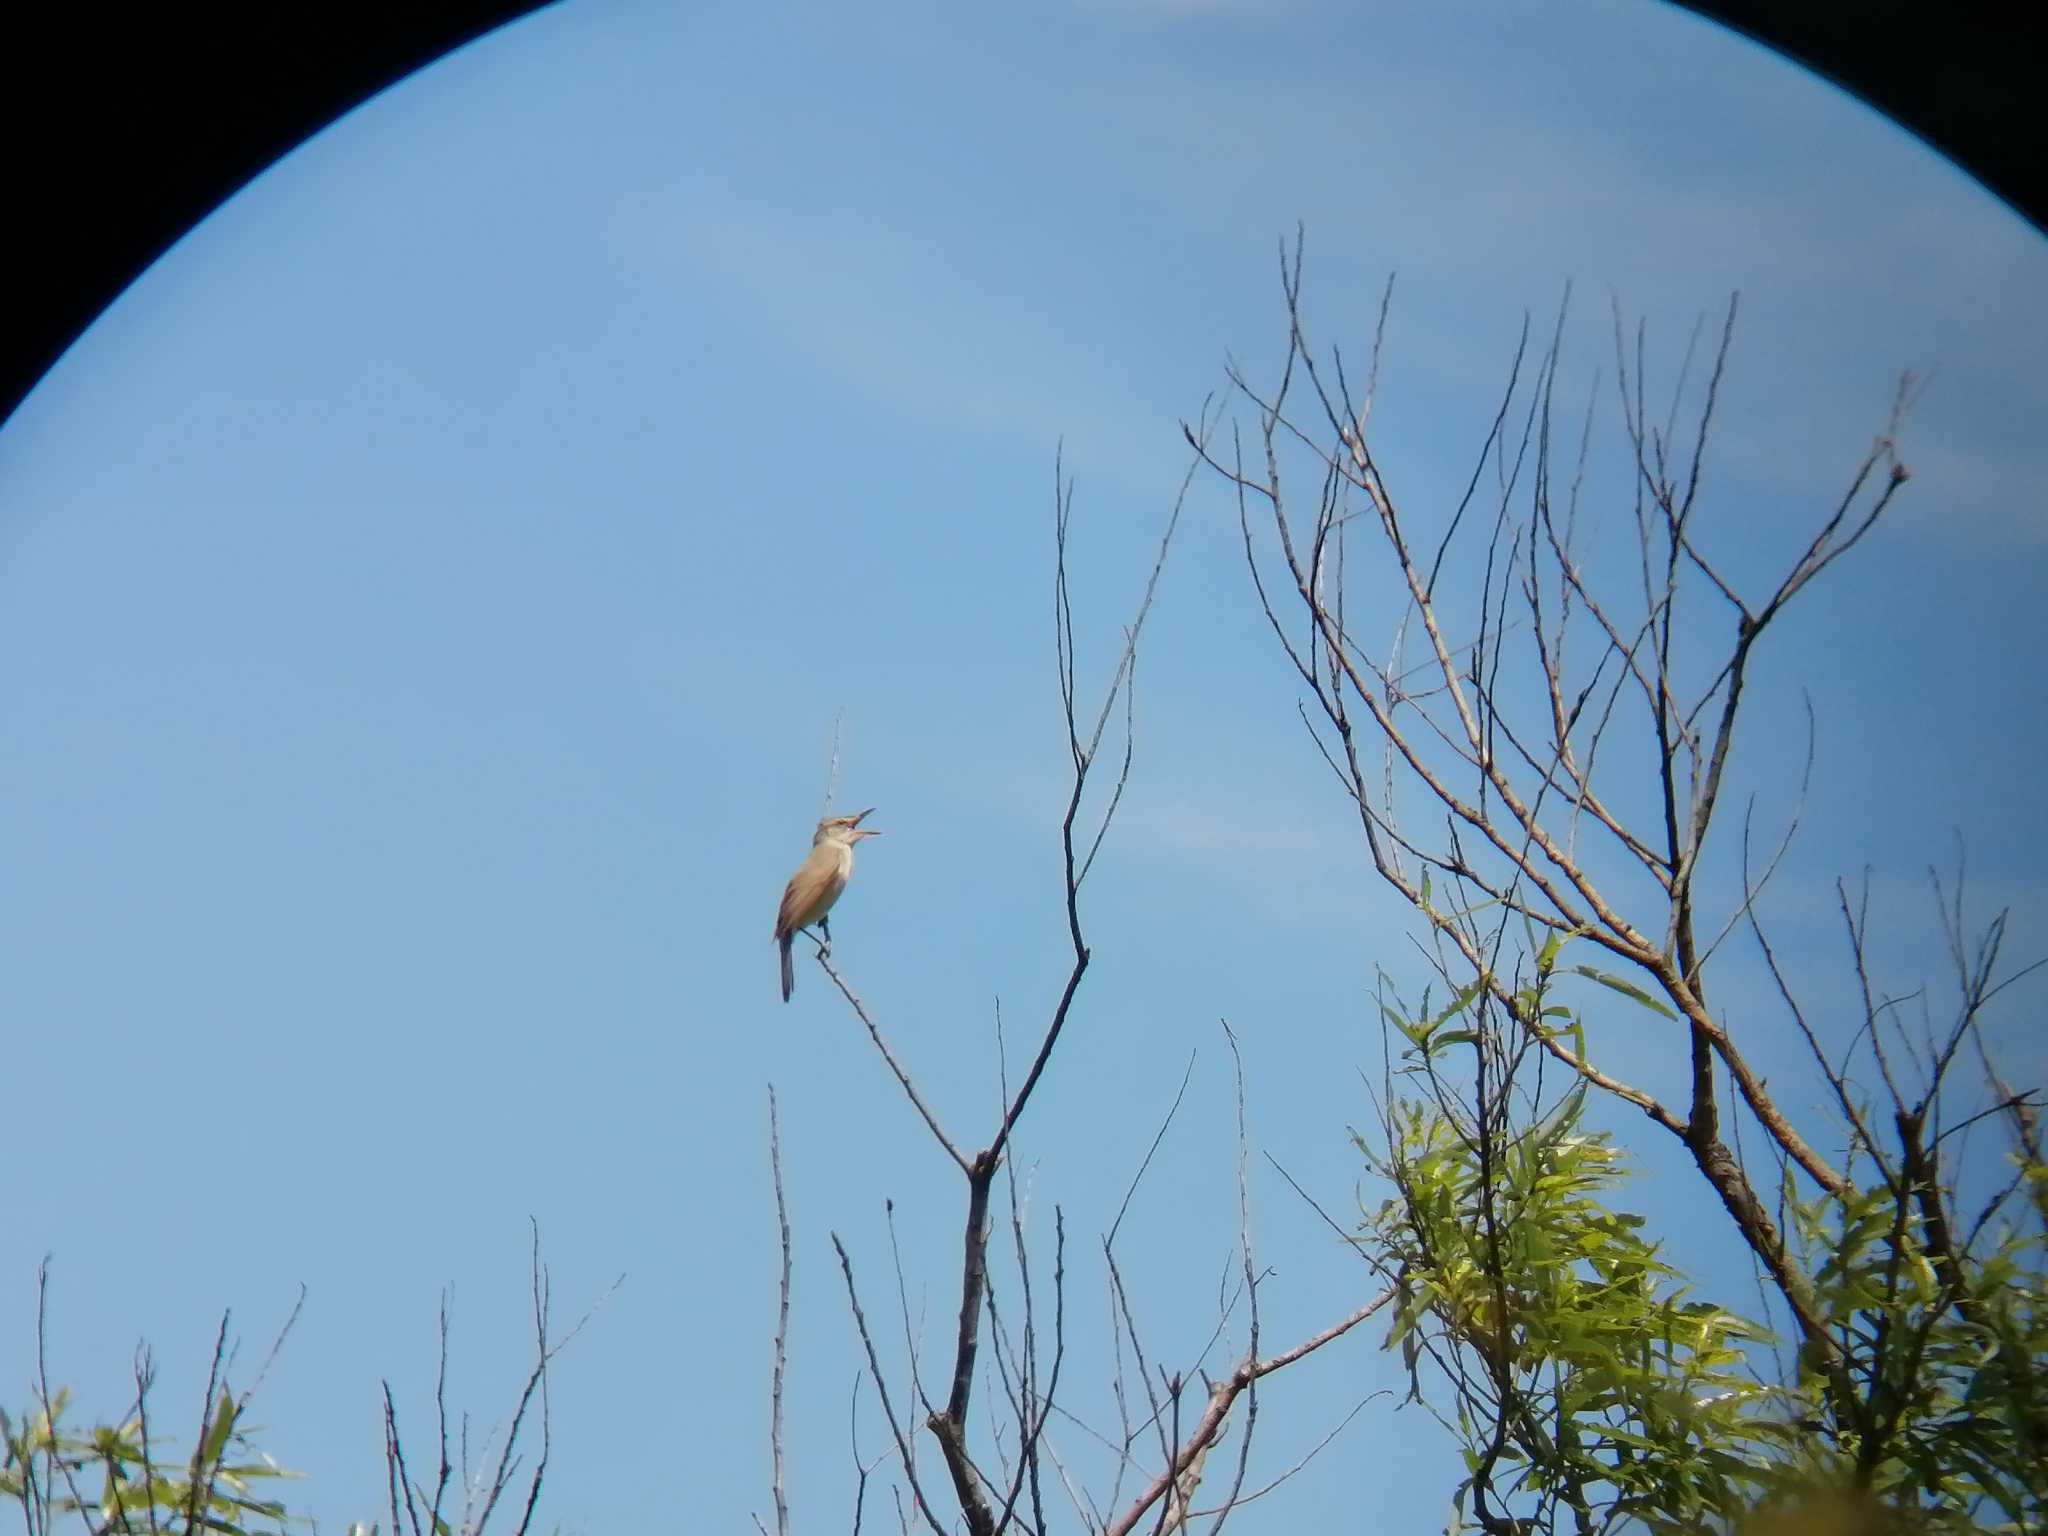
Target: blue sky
[{"x": 426, "y": 596}]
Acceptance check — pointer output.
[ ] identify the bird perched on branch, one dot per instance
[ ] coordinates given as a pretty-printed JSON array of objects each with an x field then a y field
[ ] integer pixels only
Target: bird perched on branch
[{"x": 816, "y": 885}]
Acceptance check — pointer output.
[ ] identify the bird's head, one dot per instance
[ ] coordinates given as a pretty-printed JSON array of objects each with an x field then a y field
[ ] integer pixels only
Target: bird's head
[{"x": 845, "y": 829}]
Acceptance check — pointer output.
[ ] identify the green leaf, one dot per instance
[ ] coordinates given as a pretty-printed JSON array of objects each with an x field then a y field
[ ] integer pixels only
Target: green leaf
[
  {"x": 214, "y": 1446},
  {"x": 1626, "y": 989},
  {"x": 1460, "y": 1003},
  {"x": 1562, "y": 1119}
]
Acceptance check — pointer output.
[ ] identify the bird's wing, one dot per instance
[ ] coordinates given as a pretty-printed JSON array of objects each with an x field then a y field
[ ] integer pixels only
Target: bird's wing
[{"x": 810, "y": 891}]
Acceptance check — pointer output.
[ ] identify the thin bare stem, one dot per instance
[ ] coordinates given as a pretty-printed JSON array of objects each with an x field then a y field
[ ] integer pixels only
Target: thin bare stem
[
  {"x": 1225, "y": 1393},
  {"x": 781, "y": 1323},
  {"x": 896, "y": 1067},
  {"x": 904, "y": 1450}
]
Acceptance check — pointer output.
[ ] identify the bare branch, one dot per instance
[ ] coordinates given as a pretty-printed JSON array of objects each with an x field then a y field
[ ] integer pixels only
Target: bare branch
[
  {"x": 904, "y": 1451},
  {"x": 1225, "y": 1393},
  {"x": 832, "y": 766},
  {"x": 1239, "y": 1500},
  {"x": 896, "y": 1067},
  {"x": 1164, "y": 1125},
  {"x": 781, "y": 1324},
  {"x": 1251, "y": 1289}
]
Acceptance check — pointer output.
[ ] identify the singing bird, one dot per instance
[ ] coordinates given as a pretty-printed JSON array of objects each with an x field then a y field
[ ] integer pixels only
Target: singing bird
[{"x": 817, "y": 884}]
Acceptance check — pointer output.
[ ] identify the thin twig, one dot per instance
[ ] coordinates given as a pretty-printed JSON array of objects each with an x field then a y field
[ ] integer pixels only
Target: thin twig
[
  {"x": 904, "y": 1451},
  {"x": 896, "y": 1067},
  {"x": 1223, "y": 1395},
  {"x": 1158, "y": 1136},
  {"x": 781, "y": 1322}
]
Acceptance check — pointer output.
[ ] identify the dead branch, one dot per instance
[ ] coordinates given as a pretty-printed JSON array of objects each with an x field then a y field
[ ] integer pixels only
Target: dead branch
[
  {"x": 781, "y": 1323},
  {"x": 412, "y": 1505},
  {"x": 1221, "y": 1396},
  {"x": 1462, "y": 725},
  {"x": 905, "y": 1452}
]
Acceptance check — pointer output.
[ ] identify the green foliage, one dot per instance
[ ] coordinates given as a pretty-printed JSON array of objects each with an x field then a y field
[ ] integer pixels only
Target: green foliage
[
  {"x": 1592, "y": 1380},
  {"x": 1948, "y": 1358},
  {"x": 113, "y": 1479},
  {"x": 116, "y": 1478},
  {"x": 1589, "y": 1387}
]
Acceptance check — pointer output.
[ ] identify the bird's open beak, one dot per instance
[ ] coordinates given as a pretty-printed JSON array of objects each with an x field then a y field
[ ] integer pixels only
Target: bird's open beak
[{"x": 865, "y": 831}]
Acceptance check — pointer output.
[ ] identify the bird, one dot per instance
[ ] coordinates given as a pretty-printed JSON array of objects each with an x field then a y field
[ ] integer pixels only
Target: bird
[{"x": 817, "y": 884}]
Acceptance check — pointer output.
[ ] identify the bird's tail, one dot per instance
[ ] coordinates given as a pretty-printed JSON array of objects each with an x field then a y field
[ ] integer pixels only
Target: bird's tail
[{"x": 788, "y": 967}]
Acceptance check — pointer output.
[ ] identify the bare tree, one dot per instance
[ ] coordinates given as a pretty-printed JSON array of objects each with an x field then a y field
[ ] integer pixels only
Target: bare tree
[
  {"x": 1538, "y": 755},
  {"x": 1536, "y": 738},
  {"x": 1008, "y": 1355},
  {"x": 482, "y": 1477}
]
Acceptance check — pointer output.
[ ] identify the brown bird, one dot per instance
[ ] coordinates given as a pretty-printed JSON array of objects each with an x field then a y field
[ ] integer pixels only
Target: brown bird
[{"x": 816, "y": 885}]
